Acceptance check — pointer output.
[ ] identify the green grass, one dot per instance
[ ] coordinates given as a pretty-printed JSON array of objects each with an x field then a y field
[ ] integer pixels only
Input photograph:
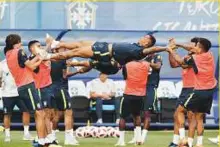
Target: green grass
[{"x": 155, "y": 139}]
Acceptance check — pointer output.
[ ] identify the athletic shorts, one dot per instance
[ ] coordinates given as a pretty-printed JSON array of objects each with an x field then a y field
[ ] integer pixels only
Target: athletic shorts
[
  {"x": 125, "y": 55},
  {"x": 131, "y": 104},
  {"x": 46, "y": 95},
  {"x": 62, "y": 100},
  {"x": 101, "y": 52},
  {"x": 183, "y": 96},
  {"x": 10, "y": 102},
  {"x": 199, "y": 101},
  {"x": 28, "y": 93},
  {"x": 150, "y": 101},
  {"x": 108, "y": 68}
]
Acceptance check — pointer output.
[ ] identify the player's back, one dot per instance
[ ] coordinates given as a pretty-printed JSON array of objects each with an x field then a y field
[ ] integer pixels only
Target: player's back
[
  {"x": 136, "y": 79},
  {"x": 126, "y": 52}
]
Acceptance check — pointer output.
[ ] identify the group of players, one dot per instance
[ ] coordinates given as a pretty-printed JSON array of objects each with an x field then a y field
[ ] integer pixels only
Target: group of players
[{"x": 135, "y": 60}]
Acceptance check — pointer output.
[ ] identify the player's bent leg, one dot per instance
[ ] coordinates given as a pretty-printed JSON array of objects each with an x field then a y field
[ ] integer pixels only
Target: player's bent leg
[
  {"x": 83, "y": 52},
  {"x": 192, "y": 127},
  {"x": 200, "y": 128}
]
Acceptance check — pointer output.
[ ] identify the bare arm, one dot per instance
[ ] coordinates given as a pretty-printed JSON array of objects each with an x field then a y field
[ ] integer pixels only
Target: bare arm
[
  {"x": 188, "y": 47},
  {"x": 34, "y": 63},
  {"x": 177, "y": 58},
  {"x": 154, "y": 49},
  {"x": 78, "y": 63},
  {"x": 173, "y": 62},
  {"x": 62, "y": 55},
  {"x": 80, "y": 71},
  {"x": 156, "y": 66}
]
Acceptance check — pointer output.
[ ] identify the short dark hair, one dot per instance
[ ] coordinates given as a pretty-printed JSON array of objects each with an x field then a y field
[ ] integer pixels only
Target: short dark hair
[
  {"x": 205, "y": 43},
  {"x": 10, "y": 41},
  {"x": 32, "y": 42},
  {"x": 195, "y": 40},
  {"x": 153, "y": 40}
]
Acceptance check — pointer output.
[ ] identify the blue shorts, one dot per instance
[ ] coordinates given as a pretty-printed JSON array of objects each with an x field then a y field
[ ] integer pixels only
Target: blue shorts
[
  {"x": 199, "y": 101},
  {"x": 131, "y": 104},
  {"x": 46, "y": 95},
  {"x": 101, "y": 52},
  {"x": 28, "y": 93},
  {"x": 10, "y": 102},
  {"x": 150, "y": 101},
  {"x": 62, "y": 100},
  {"x": 183, "y": 96}
]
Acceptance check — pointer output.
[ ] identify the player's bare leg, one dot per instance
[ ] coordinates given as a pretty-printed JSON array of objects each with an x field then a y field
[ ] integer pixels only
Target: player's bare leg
[
  {"x": 147, "y": 120},
  {"x": 181, "y": 121},
  {"x": 83, "y": 52},
  {"x": 176, "y": 137},
  {"x": 192, "y": 127},
  {"x": 137, "y": 119},
  {"x": 40, "y": 126},
  {"x": 48, "y": 119},
  {"x": 51, "y": 43},
  {"x": 200, "y": 128},
  {"x": 68, "y": 120},
  {"x": 7, "y": 123},
  {"x": 121, "y": 140},
  {"x": 26, "y": 122},
  {"x": 57, "y": 115},
  {"x": 133, "y": 140}
]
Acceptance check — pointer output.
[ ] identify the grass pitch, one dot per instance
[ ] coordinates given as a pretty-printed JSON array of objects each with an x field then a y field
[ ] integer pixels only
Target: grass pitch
[{"x": 155, "y": 139}]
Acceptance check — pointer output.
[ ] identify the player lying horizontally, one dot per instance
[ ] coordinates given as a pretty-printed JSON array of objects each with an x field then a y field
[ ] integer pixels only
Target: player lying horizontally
[{"x": 105, "y": 52}]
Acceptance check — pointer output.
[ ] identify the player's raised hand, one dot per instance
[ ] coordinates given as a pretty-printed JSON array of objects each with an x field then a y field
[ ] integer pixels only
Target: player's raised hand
[
  {"x": 51, "y": 43},
  {"x": 172, "y": 44}
]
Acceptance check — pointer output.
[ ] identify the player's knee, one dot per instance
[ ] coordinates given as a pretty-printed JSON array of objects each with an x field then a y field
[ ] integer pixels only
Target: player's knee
[
  {"x": 180, "y": 109},
  {"x": 68, "y": 112},
  {"x": 40, "y": 114}
]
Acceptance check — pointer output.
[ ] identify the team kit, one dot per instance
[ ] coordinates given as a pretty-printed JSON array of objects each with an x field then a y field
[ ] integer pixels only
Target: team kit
[{"x": 40, "y": 84}]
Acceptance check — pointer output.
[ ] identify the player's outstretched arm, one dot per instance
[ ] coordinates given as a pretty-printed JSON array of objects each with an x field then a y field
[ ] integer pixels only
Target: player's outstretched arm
[
  {"x": 173, "y": 62},
  {"x": 78, "y": 63},
  {"x": 176, "y": 58},
  {"x": 189, "y": 47},
  {"x": 154, "y": 49},
  {"x": 62, "y": 55},
  {"x": 34, "y": 63},
  {"x": 80, "y": 71}
]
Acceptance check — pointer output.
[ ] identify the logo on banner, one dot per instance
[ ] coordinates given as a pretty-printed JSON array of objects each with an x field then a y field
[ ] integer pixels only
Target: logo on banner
[{"x": 81, "y": 15}]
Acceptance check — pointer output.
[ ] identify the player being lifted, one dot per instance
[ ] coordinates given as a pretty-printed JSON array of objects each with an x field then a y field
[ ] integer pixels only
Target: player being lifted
[{"x": 121, "y": 53}]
